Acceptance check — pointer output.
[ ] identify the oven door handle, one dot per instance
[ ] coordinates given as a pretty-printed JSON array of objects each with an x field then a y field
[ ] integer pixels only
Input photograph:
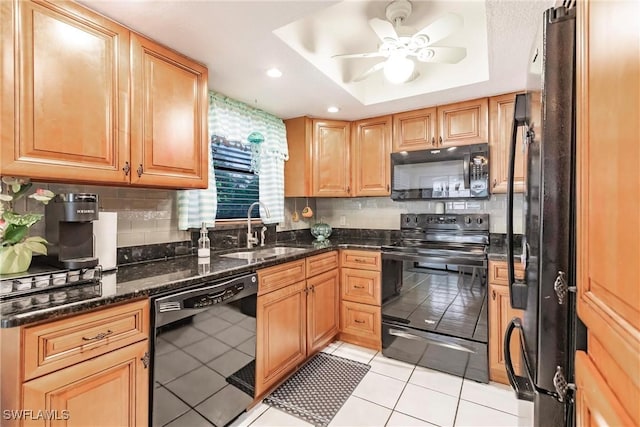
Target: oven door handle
[{"x": 431, "y": 340}]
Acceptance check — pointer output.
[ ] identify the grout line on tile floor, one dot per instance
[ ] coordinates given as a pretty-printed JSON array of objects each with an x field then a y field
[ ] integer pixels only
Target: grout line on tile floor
[{"x": 487, "y": 406}]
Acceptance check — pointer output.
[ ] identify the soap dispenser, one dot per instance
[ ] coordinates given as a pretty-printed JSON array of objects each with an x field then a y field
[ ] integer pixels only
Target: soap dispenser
[{"x": 204, "y": 245}]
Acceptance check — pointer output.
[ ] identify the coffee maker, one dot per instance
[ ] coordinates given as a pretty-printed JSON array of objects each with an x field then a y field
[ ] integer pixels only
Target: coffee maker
[{"x": 69, "y": 230}]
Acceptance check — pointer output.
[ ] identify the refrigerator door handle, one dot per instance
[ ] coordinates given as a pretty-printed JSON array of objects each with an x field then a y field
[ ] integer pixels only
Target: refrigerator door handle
[
  {"x": 517, "y": 288},
  {"x": 521, "y": 385}
]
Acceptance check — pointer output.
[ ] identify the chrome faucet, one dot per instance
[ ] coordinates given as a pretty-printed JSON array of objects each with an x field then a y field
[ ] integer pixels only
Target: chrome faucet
[{"x": 251, "y": 239}]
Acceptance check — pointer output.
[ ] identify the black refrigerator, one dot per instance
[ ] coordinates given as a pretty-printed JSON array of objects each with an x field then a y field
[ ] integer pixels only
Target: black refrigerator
[{"x": 549, "y": 328}]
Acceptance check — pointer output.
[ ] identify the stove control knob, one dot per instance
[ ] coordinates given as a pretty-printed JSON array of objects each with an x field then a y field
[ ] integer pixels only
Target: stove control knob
[
  {"x": 451, "y": 220},
  {"x": 479, "y": 220},
  {"x": 467, "y": 220}
]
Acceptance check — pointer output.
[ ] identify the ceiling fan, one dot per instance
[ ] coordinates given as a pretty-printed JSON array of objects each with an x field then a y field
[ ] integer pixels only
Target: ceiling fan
[{"x": 400, "y": 44}]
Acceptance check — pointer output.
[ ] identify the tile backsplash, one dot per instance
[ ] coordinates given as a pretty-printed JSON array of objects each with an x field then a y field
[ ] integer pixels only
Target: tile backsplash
[
  {"x": 145, "y": 216},
  {"x": 384, "y": 213}
]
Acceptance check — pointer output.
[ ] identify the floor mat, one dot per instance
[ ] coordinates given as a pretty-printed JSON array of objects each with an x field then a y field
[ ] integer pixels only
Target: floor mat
[
  {"x": 319, "y": 389},
  {"x": 245, "y": 378}
]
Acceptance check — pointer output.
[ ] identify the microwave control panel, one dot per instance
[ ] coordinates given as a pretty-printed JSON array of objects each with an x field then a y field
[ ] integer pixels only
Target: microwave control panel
[{"x": 479, "y": 175}]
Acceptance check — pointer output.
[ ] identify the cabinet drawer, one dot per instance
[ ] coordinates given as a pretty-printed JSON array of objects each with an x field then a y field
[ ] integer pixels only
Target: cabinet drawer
[
  {"x": 498, "y": 273},
  {"x": 365, "y": 260},
  {"x": 320, "y": 263},
  {"x": 360, "y": 286},
  {"x": 55, "y": 345},
  {"x": 360, "y": 319},
  {"x": 279, "y": 276}
]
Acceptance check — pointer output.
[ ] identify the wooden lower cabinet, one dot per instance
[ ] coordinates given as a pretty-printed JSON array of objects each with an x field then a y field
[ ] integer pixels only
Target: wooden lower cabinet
[
  {"x": 500, "y": 314},
  {"x": 281, "y": 334},
  {"x": 360, "y": 312},
  {"x": 90, "y": 369},
  {"x": 109, "y": 390},
  {"x": 296, "y": 319},
  {"x": 322, "y": 309}
]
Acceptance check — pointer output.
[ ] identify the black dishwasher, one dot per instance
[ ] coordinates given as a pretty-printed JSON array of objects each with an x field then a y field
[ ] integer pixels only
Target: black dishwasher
[{"x": 203, "y": 347}]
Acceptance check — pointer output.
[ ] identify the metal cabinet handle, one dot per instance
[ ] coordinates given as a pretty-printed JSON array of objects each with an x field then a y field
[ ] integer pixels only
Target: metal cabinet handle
[
  {"x": 359, "y": 260},
  {"x": 388, "y": 187},
  {"x": 433, "y": 141},
  {"x": 359, "y": 321},
  {"x": 140, "y": 170},
  {"x": 495, "y": 183},
  {"x": 348, "y": 189},
  {"x": 440, "y": 139},
  {"x": 145, "y": 359},
  {"x": 126, "y": 168},
  {"x": 100, "y": 336},
  {"x": 359, "y": 287},
  {"x": 493, "y": 295}
]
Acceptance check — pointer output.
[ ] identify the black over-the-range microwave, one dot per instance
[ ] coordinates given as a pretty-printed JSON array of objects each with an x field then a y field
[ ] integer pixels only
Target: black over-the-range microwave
[{"x": 460, "y": 172}]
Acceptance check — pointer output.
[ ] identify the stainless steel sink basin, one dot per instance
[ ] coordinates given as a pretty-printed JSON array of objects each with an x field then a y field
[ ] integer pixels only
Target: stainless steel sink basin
[{"x": 264, "y": 253}]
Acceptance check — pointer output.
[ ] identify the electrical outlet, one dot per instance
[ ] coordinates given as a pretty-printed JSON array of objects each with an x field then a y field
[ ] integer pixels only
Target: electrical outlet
[{"x": 343, "y": 220}]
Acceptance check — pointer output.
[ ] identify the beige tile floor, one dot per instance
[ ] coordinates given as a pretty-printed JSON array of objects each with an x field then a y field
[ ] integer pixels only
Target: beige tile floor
[{"x": 395, "y": 393}]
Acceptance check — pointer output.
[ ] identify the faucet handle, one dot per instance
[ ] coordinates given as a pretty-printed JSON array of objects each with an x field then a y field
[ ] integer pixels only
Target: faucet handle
[{"x": 264, "y": 229}]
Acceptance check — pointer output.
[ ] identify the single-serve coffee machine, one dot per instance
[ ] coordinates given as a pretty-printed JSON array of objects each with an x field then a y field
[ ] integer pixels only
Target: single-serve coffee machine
[{"x": 69, "y": 230}]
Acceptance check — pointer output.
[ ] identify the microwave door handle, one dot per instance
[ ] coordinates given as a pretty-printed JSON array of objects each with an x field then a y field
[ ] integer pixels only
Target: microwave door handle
[
  {"x": 465, "y": 171},
  {"x": 517, "y": 288}
]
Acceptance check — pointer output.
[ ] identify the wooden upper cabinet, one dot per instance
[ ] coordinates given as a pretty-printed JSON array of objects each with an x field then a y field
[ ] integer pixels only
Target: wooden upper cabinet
[
  {"x": 169, "y": 133},
  {"x": 297, "y": 170},
  {"x": 501, "y": 122},
  {"x": 330, "y": 165},
  {"x": 608, "y": 180},
  {"x": 69, "y": 77},
  {"x": 415, "y": 130},
  {"x": 463, "y": 123},
  {"x": 67, "y": 110},
  {"x": 371, "y": 156}
]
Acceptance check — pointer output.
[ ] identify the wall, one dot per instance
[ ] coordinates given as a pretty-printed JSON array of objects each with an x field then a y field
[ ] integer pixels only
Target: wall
[
  {"x": 145, "y": 216},
  {"x": 383, "y": 213}
]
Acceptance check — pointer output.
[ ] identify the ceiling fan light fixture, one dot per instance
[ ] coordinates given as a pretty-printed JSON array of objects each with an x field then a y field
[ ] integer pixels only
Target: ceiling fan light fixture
[
  {"x": 425, "y": 54},
  {"x": 398, "y": 69}
]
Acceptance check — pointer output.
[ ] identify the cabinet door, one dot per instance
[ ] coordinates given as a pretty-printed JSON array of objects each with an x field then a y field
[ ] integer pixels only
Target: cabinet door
[
  {"x": 281, "y": 334},
  {"x": 331, "y": 160},
  {"x": 297, "y": 170},
  {"x": 608, "y": 193},
  {"x": 371, "y": 157},
  {"x": 323, "y": 313},
  {"x": 169, "y": 134},
  {"x": 501, "y": 122},
  {"x": 415, "y": 130},
  {"x": 65, "y": 99},
  {"x": 500, "y": 314},
  {"x": 463, "y": 123},
  {"x": 109, "y": 390}
]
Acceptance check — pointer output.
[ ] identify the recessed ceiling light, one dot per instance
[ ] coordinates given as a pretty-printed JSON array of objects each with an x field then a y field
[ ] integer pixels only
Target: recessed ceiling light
[
  {"x": 274, "y": 72},
  {"x": 333, "y": 109}
]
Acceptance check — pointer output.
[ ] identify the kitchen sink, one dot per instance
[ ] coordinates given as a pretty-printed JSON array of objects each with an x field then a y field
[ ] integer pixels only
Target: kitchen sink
[{"x": 264, "y": 253}]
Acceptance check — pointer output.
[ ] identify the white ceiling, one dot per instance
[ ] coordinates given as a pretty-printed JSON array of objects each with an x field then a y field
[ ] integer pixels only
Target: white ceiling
[{"x": 237, "y": 41}]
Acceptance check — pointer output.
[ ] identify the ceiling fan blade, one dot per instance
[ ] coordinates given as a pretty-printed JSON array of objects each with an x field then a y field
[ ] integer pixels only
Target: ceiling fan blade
[
  {"x": 384, "y": 29},
  {"x": 444, "y": 55},
  {"x": 360, "y": 55},
  {"x": 361, "y": 77},
  {"x": 440, "y": 28}
]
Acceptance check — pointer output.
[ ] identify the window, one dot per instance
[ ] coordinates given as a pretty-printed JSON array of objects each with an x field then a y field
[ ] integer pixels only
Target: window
[{"x": 236, "y": 185}]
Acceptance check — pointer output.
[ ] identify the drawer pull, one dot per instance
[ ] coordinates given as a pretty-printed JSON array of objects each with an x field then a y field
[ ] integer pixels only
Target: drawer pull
[
  {"x": 100, "y": 336},
  {"x": 359, "y": 260},
  {"x": 359, "y": 287},
  {"x": 359, "y": 321}
]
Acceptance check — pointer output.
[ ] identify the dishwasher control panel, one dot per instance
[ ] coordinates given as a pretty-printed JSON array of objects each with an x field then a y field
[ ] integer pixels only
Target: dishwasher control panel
[{"x": 207, "y": 300}]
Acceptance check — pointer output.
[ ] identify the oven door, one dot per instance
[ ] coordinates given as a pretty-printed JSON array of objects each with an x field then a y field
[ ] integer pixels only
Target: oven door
[{"x": 435, "y": 318}]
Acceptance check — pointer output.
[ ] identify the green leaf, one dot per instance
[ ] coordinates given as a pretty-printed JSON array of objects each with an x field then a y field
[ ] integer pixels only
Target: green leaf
[
  {"x": 22, "y": 190},
  {"x": 35, "y": 244},
  {"x": 21, "y": 220},
  {"x": 14, "y": 234}
]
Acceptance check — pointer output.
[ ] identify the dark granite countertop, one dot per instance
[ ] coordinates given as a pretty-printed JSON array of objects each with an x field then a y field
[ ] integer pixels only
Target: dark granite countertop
[{"x": 147, "y": 279}]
